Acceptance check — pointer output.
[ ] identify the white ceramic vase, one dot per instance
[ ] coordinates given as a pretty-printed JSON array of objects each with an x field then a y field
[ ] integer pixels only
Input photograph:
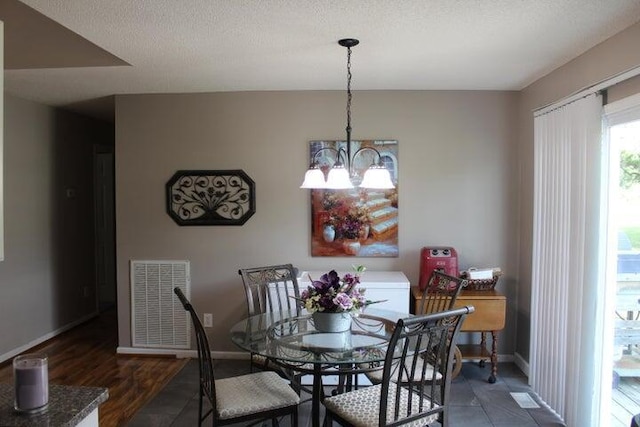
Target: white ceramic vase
[{"x": 329, "y": 233}]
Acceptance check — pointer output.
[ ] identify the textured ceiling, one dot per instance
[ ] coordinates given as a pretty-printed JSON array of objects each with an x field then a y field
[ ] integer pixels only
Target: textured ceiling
[{"x": 238, "y": 45}]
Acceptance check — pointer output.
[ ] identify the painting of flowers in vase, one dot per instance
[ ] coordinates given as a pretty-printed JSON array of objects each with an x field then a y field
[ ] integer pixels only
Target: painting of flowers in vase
[{"x": 356, "y": 222}]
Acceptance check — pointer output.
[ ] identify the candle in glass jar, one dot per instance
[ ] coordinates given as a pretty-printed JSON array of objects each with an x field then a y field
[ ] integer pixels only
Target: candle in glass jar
[{"x": 31, "y": 378}]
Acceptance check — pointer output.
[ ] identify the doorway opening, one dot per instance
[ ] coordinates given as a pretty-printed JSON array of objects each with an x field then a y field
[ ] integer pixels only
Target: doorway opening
[{"x": 621, "y": 395}]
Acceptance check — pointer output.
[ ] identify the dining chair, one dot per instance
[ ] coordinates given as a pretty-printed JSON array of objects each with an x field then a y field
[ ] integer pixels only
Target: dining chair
[
  {"x": 440, "y": 294},
  {"x": 254, "y": 396},
  {"x": 275, "y": 289},
  {"x": 270, "y": 289},
  {"x": 410, "y": 394}
]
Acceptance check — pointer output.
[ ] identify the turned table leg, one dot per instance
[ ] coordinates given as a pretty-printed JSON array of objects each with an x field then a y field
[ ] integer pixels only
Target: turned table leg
[{"x": 494, "y": 357}]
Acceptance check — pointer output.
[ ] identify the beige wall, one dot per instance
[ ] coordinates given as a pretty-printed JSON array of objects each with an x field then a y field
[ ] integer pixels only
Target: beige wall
[
  {"x": 622, "y": 90},
  {"x": 457, "y": 184},
  {"x": 616, "y": 55},
  {"x": 48, "y": 237}
]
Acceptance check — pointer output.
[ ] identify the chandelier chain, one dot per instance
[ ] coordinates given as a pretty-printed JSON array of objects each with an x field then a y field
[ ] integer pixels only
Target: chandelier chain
[{"x": 349, "y": 90}]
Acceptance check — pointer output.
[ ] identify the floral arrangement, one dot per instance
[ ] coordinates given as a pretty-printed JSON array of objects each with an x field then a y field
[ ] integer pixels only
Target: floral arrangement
[
  {"x": 334, "y": 294},
  {"x": 330, "y": 200},
  {"x": 360, "y": 213},
  {"x": 350, "y": 228}
]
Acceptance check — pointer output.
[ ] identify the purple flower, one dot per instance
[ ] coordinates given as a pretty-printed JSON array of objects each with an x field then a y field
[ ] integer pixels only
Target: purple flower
[
  {"x": 327, "y": 304},
  {"x": 350, "y": 228},
  {"x": 350, "y": 282},
  {"x": 327, "y": 281},
  {"x": 343, "y": 301}
]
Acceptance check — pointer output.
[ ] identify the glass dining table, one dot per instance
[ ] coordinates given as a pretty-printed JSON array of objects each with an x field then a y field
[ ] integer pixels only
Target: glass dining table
[{"x": 291, "y": 340}]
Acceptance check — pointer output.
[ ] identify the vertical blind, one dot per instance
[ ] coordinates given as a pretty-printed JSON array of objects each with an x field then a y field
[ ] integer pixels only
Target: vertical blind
[{"x": 565, "y": 258}]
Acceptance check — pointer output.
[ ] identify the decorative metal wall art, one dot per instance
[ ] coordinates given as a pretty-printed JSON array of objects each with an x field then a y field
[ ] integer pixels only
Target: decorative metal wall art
[{"x": 211, "y": 197}]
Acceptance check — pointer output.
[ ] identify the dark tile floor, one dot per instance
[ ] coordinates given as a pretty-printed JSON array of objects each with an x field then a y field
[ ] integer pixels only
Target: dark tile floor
[{"x": 474, "y": 401}]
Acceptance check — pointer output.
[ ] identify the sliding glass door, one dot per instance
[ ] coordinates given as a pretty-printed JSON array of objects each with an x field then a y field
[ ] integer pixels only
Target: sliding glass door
[{"x": 620, "y": 235}]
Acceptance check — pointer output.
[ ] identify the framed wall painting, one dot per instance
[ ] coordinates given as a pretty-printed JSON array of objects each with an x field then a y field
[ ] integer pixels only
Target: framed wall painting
[
  {"x": 357, "y": 222},
  {"x": 210, "y": 197}
]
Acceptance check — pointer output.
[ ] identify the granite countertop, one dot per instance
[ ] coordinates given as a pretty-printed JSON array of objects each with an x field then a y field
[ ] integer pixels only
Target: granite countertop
[{"x": 68, "y": 405}]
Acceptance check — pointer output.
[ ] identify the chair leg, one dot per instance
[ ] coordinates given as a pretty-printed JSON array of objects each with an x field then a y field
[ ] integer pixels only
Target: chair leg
[
  {"x": 444, "y": 419},
  {"x": 328, "y": 421},
  {"x": 294, "y": 417},
  {"x": 200, "y": 409},
  {"x": 295, "y": 380},
  {"x": 345, "y": 383}
]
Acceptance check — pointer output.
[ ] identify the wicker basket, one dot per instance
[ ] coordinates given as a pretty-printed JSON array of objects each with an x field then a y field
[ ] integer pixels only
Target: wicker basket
[{"x": 481, "y": 285}]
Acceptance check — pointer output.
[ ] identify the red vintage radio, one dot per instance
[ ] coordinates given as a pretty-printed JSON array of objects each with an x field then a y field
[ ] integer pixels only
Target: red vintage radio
[{"x": 440, "y": 258}]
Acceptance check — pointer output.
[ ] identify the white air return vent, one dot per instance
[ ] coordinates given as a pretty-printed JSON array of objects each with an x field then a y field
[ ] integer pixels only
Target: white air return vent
[{"x": 158, "y": 319}]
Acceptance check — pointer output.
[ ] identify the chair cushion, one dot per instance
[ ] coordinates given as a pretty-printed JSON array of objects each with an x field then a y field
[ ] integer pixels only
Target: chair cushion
[
  {"x": 375, "y": 375},
  {"x": 362, "y": 407},
  {"x": 252, "y": 393}
]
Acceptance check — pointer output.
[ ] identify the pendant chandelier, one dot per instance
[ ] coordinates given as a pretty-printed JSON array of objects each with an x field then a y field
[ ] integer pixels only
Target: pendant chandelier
[{"x": 342, "y": 171}]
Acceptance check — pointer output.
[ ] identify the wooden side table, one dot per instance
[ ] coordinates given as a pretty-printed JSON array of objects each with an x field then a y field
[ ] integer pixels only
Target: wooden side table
[{"x": 489, "y": 316}]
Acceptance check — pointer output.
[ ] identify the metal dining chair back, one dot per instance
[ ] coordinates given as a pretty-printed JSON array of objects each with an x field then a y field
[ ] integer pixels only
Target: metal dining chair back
[
  {"x": 416, "y": 382},
  {"x": 441, "y": 293},
  {"x": 271, "y": 289},
  {"x": 255, "y": 396}
]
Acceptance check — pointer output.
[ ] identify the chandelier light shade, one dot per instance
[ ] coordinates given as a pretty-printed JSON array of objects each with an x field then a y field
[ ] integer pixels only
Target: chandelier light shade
[
  {"x": 314, "y": 178},
  {"x": 342, "y": 171},
  {"x": 377, "y": 177},
  {"x": 338, "y": 178}
]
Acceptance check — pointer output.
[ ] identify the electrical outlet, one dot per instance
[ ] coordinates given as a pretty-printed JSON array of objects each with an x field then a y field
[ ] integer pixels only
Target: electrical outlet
[{"x": 208, "y": 320}]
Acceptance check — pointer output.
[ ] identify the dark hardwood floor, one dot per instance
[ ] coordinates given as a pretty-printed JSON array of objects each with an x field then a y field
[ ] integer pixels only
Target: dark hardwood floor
[{"x": 86, "y": 356}]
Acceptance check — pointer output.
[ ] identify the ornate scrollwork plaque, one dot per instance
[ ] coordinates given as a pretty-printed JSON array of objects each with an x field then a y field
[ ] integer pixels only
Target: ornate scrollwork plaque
[{"x": 213, "y": 197}]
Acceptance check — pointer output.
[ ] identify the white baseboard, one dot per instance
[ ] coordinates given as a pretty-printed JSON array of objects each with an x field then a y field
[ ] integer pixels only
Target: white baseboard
[
  {"x": 522, "y": 364},
  {"x": 11, "y": 354},
  {"x": 181, "y": 354},
  {"x": 149, "y": 351}
]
